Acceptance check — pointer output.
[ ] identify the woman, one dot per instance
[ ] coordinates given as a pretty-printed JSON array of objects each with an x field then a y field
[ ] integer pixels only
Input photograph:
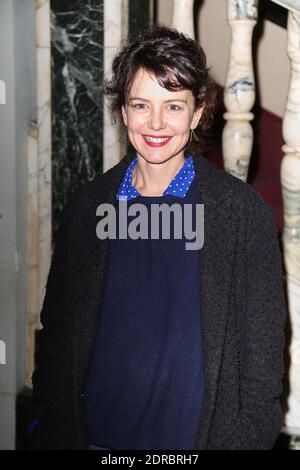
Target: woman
[{"x": 148, "y": 344}]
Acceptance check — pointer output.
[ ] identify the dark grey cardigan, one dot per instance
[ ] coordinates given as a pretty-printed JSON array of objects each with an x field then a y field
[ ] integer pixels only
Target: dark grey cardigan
[{"x": 242, "y": 315}]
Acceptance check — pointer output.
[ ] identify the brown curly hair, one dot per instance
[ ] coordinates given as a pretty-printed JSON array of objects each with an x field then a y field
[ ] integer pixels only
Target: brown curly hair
[{"x": 166, "y": 53}]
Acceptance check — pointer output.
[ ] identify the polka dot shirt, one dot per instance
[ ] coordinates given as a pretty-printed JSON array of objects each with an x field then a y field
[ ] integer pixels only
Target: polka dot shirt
[{"x": 178, "y": 187}]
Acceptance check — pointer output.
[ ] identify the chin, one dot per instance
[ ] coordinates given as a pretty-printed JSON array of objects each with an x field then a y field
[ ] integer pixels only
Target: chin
[{"x": 155, "y": 157}]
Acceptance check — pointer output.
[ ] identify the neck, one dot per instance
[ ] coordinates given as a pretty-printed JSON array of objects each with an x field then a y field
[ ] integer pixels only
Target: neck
[{"x": 151, "y": 179}]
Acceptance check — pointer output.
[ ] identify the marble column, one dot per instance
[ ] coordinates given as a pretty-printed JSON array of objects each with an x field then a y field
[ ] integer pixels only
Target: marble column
[
  {"x": 139, "y": 15},
  {"x": 33, "y": 322},
  {"x": 44, "y": 142},
  {"x": 290, "y": 179},
  {"x": 39, "y": 184},
  {"x": 77, "y": 103},
  {"x": 68, "y": 136},
  {"x": 239, "y": 94},
  {"x": 183, "y": 17}
]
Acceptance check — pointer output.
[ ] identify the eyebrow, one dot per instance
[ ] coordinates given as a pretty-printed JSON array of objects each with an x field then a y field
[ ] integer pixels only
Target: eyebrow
[{"x": 166, "y": 101}]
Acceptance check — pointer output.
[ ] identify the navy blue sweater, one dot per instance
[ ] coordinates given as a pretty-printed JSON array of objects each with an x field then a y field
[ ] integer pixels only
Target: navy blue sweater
[{"x": 145, "y": 382}]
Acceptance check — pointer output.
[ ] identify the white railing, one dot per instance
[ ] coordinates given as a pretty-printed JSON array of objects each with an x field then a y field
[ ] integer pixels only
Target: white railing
[
  {"x": 183, "y": 18},
  {"x": 239, "y": 93},
  {"x": 239, "y": 96},
  {"x": 290, "y": 181}
]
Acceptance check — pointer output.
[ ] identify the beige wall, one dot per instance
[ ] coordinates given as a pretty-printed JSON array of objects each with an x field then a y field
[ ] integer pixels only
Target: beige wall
[{"x": 273, "y": 65}]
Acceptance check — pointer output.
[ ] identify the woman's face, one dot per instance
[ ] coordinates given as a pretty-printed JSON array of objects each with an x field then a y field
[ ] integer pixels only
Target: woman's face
[{"x": 158, "y": 120}]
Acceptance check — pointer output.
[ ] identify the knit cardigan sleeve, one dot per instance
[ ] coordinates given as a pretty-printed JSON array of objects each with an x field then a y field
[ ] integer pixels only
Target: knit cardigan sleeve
[
  {"x": 53, "y": 340},
  {"x": 261, "y": 336}
]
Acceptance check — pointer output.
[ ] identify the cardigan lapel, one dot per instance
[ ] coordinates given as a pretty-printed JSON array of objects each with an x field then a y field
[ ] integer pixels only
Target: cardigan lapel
[{"x": 216, "y": 264}]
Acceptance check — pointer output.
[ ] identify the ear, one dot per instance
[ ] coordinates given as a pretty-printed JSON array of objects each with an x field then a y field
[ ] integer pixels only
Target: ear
[
  {"x": 197, "y": 116},
  {"x": 124, "y": 115}
]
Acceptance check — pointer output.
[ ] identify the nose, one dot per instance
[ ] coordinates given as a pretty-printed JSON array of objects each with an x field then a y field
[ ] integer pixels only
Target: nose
[{"x": 156, "y": 121}]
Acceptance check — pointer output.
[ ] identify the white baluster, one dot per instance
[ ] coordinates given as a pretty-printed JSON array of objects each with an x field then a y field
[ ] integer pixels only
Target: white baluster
[
  {"x": 239, "y": 94},
  {"x": 290, "y": 180},
  {"x": 183, "y": 18}
]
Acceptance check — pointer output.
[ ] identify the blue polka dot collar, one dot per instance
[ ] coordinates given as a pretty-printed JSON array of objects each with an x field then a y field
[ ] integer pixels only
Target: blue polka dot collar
[{"x": 179, "y": 185}]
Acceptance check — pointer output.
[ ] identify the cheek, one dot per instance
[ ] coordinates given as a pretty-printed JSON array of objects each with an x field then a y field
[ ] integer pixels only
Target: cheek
[
  {"x": 135, "y": 123},
  {"x": 180, "y": 126}
]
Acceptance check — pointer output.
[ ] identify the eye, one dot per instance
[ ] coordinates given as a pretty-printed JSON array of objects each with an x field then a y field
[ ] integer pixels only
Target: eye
[
  {"x": 175, "y": 107},
  {"x": 139, "y": 106}
]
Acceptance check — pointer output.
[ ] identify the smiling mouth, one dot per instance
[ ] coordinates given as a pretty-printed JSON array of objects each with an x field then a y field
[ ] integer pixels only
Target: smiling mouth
[{"x": 157, "y": 141}]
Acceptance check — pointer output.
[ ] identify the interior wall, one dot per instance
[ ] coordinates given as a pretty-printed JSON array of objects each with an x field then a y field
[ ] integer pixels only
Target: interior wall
[
  {"x": 214, "y": 33},
  {"x": 8, "y": 308},
  {"x": 17, "y": 70}
]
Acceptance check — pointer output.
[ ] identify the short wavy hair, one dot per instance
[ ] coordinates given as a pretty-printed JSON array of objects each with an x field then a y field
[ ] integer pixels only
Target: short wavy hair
[{"x": 166, "y": 53}]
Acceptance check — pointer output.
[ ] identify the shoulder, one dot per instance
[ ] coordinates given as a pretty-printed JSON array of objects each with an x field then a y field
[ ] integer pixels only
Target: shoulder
[
  {"x": 241, "y": 196},
  {"x": 97, "y": 190}
]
